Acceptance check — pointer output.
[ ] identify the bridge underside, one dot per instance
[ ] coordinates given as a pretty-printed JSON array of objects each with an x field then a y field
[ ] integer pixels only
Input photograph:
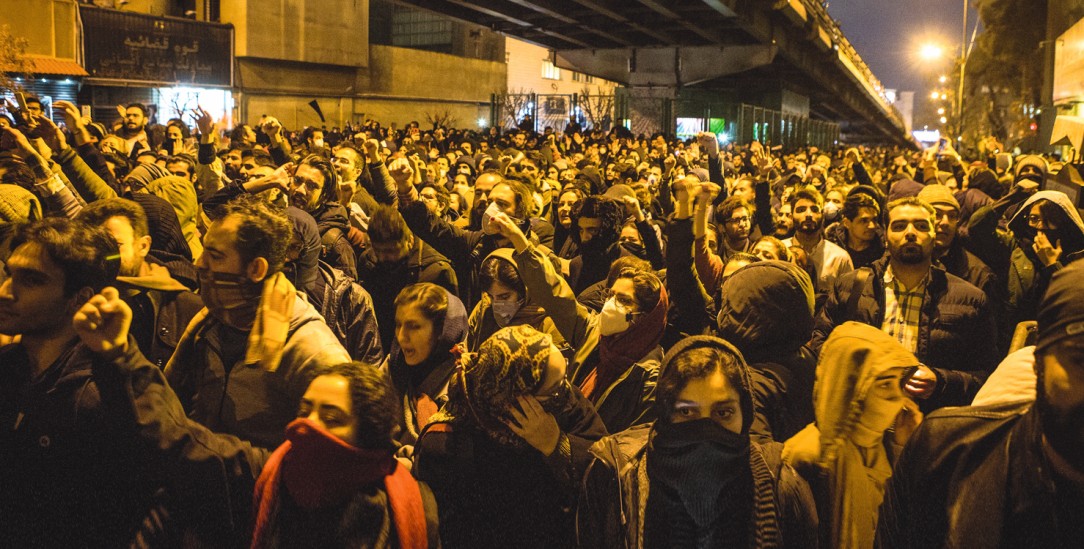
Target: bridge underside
[{"x": 712, "y": 44}]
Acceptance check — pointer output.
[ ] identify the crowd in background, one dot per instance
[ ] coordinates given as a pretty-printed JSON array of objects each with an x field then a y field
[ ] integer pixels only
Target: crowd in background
[{"x": 403, "y": 337}]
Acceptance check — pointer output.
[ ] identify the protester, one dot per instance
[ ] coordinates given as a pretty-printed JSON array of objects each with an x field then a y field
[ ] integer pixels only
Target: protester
[
  {"x": 694, "y": 478},
  {"x": 512, "y": 427},
  {"x": 1004, "y": 475}
]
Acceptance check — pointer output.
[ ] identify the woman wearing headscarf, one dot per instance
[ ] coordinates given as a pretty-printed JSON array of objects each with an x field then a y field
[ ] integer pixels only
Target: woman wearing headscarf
[
  {"x": 430, "y": 322},
  {"x": 616, "y": 365},
  {"x": 845, "y": 454},
  {"x": 694, "y": 478},
  {"x": 506, "y": 301},
  {"x": 505, "y": 455}
]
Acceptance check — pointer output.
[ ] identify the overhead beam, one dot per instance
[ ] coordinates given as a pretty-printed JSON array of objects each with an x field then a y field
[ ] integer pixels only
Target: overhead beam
[
  {"x": 598, "y": 8},
  {"x": 673, "y": 16}
]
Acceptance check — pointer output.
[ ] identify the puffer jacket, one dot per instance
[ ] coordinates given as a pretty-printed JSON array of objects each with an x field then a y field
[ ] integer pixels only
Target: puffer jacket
[
  {"x": 1010, "y": 252},
  {"x": 973, "y": 477},
  {"x": 957, "y": 333},
  {"x": 766, "y": 311}
]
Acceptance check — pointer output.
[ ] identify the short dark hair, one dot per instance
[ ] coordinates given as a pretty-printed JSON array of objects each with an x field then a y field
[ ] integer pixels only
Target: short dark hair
[
  {"x": 807, "y": 193},
  {"x": 17, "y": 172},
  {"x": 100, "y": 211},
  {"x": 727, "y": 207},
  {"x": 177, "y": 122},
  {"x": 330, "y": 191},
  {"x": 372, "y": 403},
  {"x": 185, "y": 158},
  {"x": 855, "y": 202},
  {"x": 910, "y": 201},
  {"x": 142, "y": 108},
  {"x": 86, "y": 254},
  {"x": 264, "y": 231},
  {"x": 386, "y": 224},
  {"x": 496, "y": 269}
]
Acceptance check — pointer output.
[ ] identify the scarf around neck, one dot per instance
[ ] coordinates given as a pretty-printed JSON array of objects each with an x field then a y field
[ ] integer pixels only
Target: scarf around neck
[
  {"x": 618, "y": 352},
  {"x": 320, "y": 470}
]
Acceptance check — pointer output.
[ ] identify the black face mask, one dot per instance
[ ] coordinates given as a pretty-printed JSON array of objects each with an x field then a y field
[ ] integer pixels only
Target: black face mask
[
  {"x": 635, "y": 249},
  {"x": 698, "y": 462}
]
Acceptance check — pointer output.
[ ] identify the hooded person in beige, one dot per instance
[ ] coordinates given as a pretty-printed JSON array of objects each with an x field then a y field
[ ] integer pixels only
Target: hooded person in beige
[{"x": 857, "y": 397}]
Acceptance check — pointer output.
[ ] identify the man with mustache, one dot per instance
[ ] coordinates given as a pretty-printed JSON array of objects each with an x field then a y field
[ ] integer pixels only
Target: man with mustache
[
  {"x": 1004, "y": 475},
  {"x": 945, "y": 321},
  {"x": 829, "y": 259},
  {"x": 314, "y": 188}
]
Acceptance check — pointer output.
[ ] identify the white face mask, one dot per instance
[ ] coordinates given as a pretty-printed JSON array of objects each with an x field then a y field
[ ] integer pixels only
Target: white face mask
[
  {"x": 491, "y": 211},
  {"x": 613, "y": 319},
  {"x": 318, "y": 143},
  {"x": 503, "y": 311},
  {"x": 831, "y": 209}
]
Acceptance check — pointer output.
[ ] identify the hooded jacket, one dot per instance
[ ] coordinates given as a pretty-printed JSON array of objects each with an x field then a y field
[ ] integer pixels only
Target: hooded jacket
[
  {"x": 182, "y": 196},
  {"x": 348, "y": 310},
  {"x": 616, "y": 485},
  {"x": 1011, "y": 251},
  {"x": 848, "y": 442},
  {"x": 766, "y": 311},
  {"x": 482, "y": 324}
]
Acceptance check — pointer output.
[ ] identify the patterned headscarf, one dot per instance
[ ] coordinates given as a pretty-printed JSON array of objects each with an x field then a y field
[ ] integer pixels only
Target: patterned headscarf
[{"x": 511, "y": 363}]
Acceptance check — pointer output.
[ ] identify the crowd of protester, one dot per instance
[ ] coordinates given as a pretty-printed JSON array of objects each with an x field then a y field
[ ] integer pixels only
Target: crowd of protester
[{"x": 400, "y": 337}]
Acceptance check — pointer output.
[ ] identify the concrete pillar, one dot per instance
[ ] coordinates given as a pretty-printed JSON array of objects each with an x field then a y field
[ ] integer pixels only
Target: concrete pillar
[{"x": 650, "y": 109}]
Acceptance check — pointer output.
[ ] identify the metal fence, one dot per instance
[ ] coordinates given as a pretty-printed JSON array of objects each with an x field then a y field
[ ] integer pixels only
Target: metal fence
[{"x": 644, "y": 115}]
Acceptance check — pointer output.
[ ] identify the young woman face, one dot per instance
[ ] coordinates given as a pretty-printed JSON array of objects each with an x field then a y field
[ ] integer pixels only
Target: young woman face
[
  {"x": 414, "y": 333},
  {"x": 709, "y": 397}
]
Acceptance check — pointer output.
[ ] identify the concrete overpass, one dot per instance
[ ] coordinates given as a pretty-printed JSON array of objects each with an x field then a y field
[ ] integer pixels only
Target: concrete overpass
[{"x": 786, "y": 55}]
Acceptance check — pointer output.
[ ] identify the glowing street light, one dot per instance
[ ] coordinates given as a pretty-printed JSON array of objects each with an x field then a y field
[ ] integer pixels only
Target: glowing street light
[
  {"x": 944, "y": 120},
  {"x": 934, "y": 95},
  {"x": 944, "y": 96},
  {"x": 941, "y": 110},
  {"x": 931, "y": 52},
  {"x": 943, "y": 79}
]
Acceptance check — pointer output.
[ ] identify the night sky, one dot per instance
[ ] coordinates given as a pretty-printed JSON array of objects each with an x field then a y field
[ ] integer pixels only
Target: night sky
[{"x": 888, "y": 33}]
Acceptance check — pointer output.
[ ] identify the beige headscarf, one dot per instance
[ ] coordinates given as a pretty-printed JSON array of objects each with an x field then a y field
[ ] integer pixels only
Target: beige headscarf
[{"x": 847, "y": 440}]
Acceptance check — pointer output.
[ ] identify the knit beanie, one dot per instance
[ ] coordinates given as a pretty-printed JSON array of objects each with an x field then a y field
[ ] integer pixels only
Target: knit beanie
[{"x": 939, "y": 195}]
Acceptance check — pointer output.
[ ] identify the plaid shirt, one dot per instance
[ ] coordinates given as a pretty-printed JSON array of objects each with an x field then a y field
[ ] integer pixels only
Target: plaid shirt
[{"x": 903, "y": 310}]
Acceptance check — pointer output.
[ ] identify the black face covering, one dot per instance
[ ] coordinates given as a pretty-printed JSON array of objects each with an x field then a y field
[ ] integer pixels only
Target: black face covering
[
  {"x": 701, "y": 464},
  {"x": 635, "y": 249}
]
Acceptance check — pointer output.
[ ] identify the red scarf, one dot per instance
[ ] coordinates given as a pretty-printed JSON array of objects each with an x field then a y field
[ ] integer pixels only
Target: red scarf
[
  {"x": 319, "y": 469},
  {"x": 618, "y": 352}
]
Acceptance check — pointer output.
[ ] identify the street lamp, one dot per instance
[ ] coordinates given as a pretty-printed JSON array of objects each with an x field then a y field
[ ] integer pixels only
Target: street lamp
[
  {"x": 943, "y": 79},
  {"x": 931, "y": 52}
]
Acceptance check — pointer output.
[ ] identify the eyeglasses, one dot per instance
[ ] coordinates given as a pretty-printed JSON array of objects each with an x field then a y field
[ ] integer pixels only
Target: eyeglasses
[
  {"x": 1035, "y": 221},
  {"x": 738, "y": 221}
]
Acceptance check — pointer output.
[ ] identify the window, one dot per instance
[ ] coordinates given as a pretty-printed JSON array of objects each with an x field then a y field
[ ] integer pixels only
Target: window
[
  {"x": 419, "y": 29},
  {"x": 581, "y": 77},
  {"x": 549, "y": 71}
]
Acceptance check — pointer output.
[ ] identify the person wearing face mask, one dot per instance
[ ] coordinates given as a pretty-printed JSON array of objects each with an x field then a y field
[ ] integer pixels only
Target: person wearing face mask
[
  {"x": 695, "y": 477},
  {"x": 246, "y": 358},
  {"x": 333, "y": 482},
  {"x": 598, "y": 224},
  {"x": 617, "y": 352},
  {"x": 430, "y": 322},
  {"x": 847, "y": 455},
  {"x": 506, "y": 300},
  {"x": 505, "y": 455},
  {"x": 465, "y": 249},
  {"x": 1045, "y": 235}
]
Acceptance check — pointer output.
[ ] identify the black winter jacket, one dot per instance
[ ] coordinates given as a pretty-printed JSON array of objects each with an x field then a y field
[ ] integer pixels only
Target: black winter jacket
[
  {"x": 976, "y": 477},
  {"x": 957, "y": 334}
]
